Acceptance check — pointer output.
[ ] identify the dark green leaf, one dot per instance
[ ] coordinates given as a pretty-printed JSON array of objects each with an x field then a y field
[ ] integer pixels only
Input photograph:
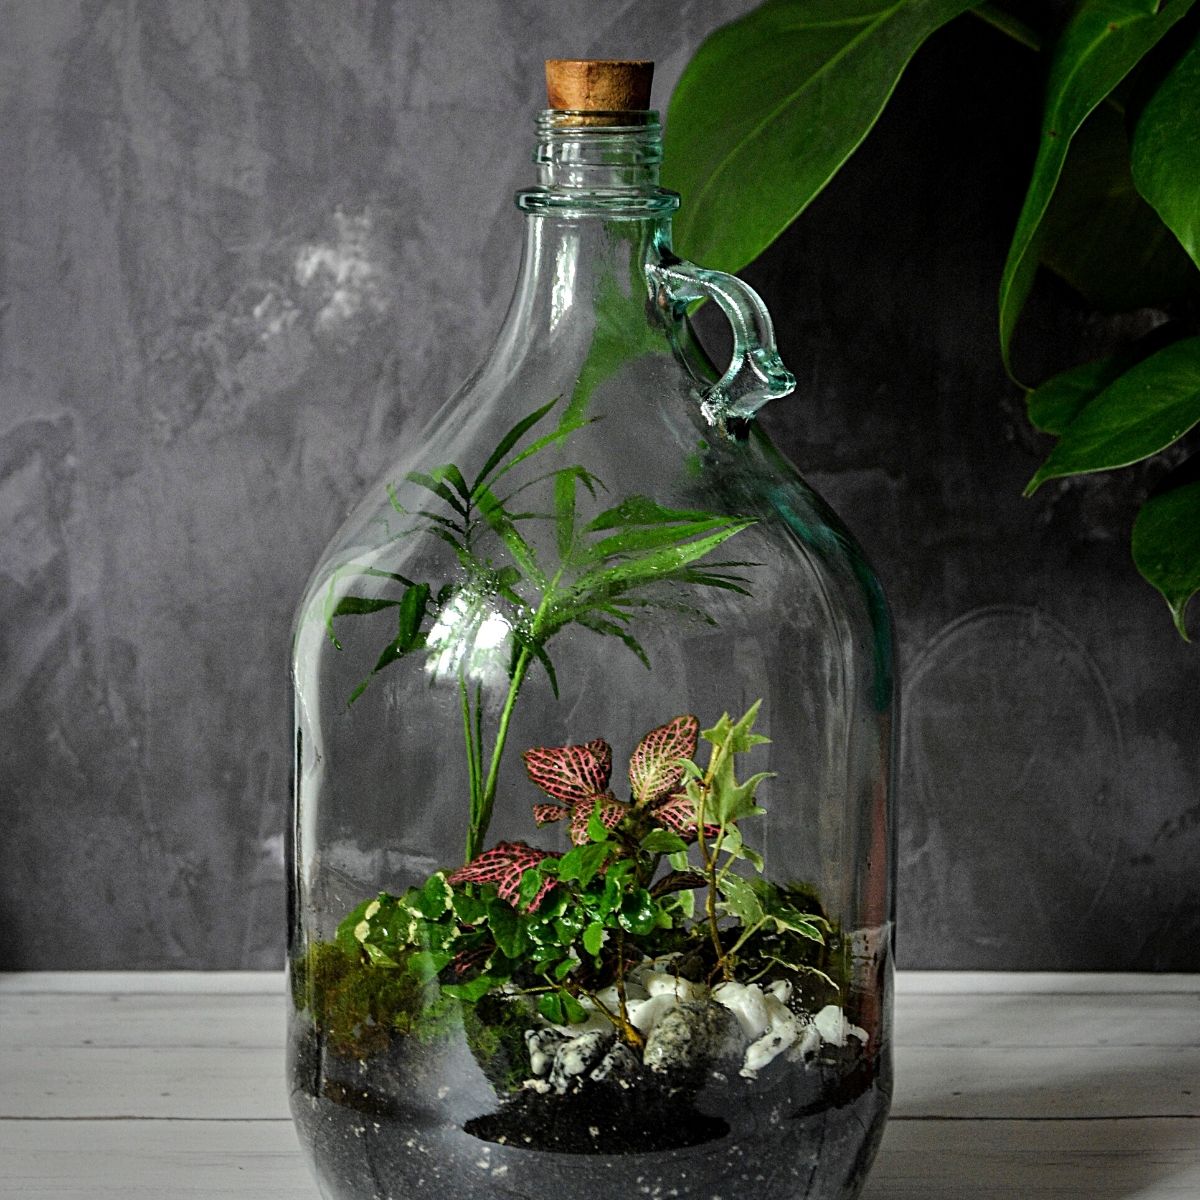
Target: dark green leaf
[
  {"x": 426, "y": 964},
  {"x": 637, "y": 541},
  {"x": 433, "y": 898},
  {"x": 539, "y": 652},
  {"x": 473, "y": 991},
  {"x": 663, "y": 841},
  {"x": 1054, "y": 405},
  {"x": 771, "y": 106},
  {"x": 583, "y": 862},
  {"x": 639, "y": 913},
  {"x": 658, "y": 563},
  {"x": 564, "y": 512},
  {"x": 408, "y": 634},
  {"x": 551, "y": 1007},
  {"x": 1166, "y": 151},
  {"x": 1140, "y": 413},
  {"x": 1166, "y": 547},
  {"x": 1102, "y": 42},
  {"x": 593, "y": 938},
  {"x": 597, "y": 830},
  {"x": 453, "y": 476},
  {"x": 432, "y": 483},
  {"x": 609, "y": 629},
  {"x": 641, "y": 510},
  {"x": 501, "y": 523},
  {"x": 508, "y": 441},
  {"x": 1101, "y": 236},
  {"x": 507, "y": 927}
]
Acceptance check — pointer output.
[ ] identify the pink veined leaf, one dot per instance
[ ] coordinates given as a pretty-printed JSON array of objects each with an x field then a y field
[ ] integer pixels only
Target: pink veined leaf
[
  {"x": 654, "y": 772},
  {"x": 678, "y": 814},
  {"x": 547, "y": 814},
  {"x": 611, "y": 812},
  {"x": 503, "y": 865},
  {"x": 570, "y": 773}
]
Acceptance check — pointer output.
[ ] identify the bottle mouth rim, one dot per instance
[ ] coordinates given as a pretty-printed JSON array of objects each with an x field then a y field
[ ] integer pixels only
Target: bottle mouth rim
[{"x": 579, "y": 122}]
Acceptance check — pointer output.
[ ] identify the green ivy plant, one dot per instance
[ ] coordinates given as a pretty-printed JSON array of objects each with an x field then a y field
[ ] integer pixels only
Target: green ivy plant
[
  {"x": 798, "y": 84},
  {"x": 605, "y": 570}
]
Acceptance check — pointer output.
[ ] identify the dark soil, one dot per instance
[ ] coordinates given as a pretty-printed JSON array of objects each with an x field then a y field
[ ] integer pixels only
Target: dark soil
[{"x": 421, "y": 1122}]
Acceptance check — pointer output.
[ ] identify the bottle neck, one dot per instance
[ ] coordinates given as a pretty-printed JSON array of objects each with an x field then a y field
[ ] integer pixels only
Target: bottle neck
[{"x": 596, "y": 218}]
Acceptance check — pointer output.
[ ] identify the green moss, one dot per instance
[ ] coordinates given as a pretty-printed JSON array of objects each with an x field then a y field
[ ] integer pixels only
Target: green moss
[
  {"x": 495, "y": 1029},
  {"x": 359, "y": 1007}
]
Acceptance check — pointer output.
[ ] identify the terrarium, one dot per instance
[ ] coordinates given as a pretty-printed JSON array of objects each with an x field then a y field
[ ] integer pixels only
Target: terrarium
[{"x": 592, "y": 888}]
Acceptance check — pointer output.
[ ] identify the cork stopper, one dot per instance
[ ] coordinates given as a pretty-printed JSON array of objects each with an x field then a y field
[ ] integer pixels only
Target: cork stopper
[{"x": 599, "y": 84}]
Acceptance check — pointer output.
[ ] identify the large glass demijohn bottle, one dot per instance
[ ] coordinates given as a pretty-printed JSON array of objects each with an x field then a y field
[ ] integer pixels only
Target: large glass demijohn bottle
[{"x": 592, "y": 889}]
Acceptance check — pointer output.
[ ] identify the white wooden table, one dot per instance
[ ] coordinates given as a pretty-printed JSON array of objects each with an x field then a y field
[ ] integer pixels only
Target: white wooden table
[{"x": 157, "y": 1086}]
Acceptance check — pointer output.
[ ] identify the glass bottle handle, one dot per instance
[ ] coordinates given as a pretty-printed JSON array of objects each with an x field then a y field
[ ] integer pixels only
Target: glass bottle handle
[{"x": 755, "y": 373}]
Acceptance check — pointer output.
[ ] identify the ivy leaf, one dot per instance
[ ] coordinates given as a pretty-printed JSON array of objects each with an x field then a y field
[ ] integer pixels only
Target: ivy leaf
[
  {"x": 1143, "y": 411},
  {"x": 796, "y": 84},
  {"x": 1166, "y": 547},
  {"x": 1166, "y": 151},
  {"x": 740, "y": 899},
  {"x": 1102, "y": 42},
  {"x": 737, "y": 734}
]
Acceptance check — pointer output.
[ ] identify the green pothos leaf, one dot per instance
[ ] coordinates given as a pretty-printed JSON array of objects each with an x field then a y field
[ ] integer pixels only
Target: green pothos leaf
[
  {"x": 794, "y": 85},
  {"x": 1140, "y": 413},
  {"x": 1166, "y": 151},
  {"x": 1166, "y": 547},
  {"x": 1102, "y": 42}
]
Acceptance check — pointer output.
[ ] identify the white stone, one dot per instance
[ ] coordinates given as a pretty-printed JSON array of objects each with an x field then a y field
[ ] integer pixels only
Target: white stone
[{"x": 746, "y": 1002}]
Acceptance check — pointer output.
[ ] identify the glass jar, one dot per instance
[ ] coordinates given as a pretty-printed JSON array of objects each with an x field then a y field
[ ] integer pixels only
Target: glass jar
[{"x": 563, "y": 919}]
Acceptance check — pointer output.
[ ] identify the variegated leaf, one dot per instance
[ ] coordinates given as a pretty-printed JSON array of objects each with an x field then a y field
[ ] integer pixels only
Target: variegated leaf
[
  {"x": 547, "y": 814},
  {"x": 654, "y": 770},
  {"x": 570, "y": 773}
]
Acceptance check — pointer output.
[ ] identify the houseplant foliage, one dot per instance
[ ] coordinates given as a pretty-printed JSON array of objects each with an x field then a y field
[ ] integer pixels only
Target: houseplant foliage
[{"x": 1112, "y": 205}]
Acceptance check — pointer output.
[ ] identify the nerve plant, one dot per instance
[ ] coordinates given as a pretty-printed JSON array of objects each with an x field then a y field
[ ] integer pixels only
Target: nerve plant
[
  {"x": 499, "y": 617},
  {"x": 561, "y": 929}
]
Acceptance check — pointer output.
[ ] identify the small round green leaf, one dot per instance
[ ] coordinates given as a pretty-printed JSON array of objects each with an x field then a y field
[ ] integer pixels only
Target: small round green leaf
[{"x": 1166, "y": 547}]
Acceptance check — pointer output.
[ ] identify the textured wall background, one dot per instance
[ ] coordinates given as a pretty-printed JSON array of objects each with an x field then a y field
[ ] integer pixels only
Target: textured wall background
[{"x": 228, "y": 230}]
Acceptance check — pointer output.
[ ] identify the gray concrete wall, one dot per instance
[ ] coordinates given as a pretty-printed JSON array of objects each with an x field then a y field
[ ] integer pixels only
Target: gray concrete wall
[{"x": 228, "y": 232}]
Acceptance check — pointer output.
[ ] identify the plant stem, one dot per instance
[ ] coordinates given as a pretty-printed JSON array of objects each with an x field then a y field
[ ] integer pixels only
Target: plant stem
[
  {"x": 473, "y": 765},
  {"x": 481, "y": 819},
  {"x": 1006, "y": 23},
  {"x": 710, "y": 870}
]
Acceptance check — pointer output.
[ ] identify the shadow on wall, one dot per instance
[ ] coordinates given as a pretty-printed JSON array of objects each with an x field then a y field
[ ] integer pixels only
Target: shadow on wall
[{"x": 1013, "y": 805}]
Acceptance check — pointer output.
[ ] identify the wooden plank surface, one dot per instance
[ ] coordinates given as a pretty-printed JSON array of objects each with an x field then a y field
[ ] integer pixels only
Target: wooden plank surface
[{"x": 1079, "y": 1086}]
